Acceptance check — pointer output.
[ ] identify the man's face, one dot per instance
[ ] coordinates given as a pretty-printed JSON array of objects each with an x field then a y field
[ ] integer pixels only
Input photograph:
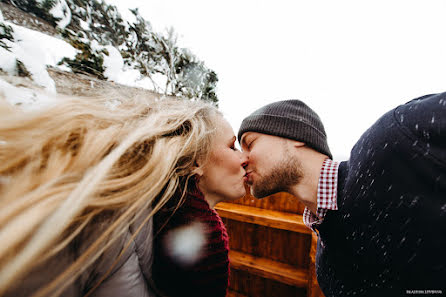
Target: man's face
[{"x": 271, "y": 165}]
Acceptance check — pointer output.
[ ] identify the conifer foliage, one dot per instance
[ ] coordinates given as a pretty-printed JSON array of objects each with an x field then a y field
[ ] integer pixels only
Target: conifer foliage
[
  {"x": 5, "y": 33},
  {"x": 93, "y": 27}
]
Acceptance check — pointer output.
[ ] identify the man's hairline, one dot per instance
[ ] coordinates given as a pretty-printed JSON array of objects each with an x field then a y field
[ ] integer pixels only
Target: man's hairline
[
  {"x": 262, "y": 133},
  {"x": 250, "y": 131}
]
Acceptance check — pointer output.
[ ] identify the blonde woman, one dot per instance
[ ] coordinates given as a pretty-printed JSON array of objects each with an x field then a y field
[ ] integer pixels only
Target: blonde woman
[{"x": 80, "y": 184}]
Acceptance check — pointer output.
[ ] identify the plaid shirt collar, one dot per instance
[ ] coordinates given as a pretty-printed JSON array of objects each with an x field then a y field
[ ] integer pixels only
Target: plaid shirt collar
[{"x": 326, "y": 194}]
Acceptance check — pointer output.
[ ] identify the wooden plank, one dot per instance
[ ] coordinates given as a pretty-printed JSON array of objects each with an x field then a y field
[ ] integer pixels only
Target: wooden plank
[
  {"x": 279, "y": 202},
  {"x": 265, "y": 242},
  {"x": 265, "y": 217},
  {"x": 269, "y": 269},
  {"x": 252, "y": 285}
]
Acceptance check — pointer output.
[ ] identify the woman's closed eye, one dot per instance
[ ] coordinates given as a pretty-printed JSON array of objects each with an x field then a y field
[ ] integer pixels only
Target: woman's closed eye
[
  {"x": 232, "y": 144},
  {"x": 234, "y": 148}
]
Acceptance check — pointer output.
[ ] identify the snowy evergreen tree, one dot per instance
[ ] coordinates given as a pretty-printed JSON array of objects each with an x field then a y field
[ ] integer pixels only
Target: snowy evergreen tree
[
  {"x": 5, "y": 33},
  {"x": 91, "y": 26}
]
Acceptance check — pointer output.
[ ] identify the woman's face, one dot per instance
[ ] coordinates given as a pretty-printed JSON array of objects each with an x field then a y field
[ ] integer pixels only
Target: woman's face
[{"x": 223, "y": 174}]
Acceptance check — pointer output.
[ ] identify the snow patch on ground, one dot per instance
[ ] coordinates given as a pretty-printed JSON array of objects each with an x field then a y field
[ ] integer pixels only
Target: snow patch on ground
[
  {"x": 113, "y": 64},
  {"x": 115, "y": 71},
  {"x": 7, "y": 60},
  {"x": 36, "y": 51},
  {"x": 28, "y": 99}
]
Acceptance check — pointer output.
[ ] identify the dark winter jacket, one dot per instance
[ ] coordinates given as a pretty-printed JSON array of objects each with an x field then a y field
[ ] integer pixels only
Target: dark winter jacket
[
  {"x": 129, "y": 278},
  {"x": 388, "y": 237}
]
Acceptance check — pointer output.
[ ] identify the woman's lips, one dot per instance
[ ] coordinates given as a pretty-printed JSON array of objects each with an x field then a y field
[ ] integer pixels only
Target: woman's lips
[{"x": 247, "y": 177}]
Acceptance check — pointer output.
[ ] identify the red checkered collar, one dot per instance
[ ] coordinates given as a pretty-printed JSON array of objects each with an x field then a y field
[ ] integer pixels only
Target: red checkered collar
[
  {"x": 328, "y": 185},
  {"x": 326, "y": 194}
]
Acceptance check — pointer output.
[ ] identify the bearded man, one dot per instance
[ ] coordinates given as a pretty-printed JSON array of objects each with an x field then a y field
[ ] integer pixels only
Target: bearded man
[{"x": 380, "y": 216}]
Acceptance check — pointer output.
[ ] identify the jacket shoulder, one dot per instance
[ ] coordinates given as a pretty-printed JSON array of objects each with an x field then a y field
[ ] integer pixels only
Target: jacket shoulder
[
  {"x": 423, "y": 121},
  {"x": 132, "y": 258},
  {"x": 129, "y": 276}
]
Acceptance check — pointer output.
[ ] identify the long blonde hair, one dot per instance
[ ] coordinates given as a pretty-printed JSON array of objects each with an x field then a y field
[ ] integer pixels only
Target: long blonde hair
[{"x": 62, "y": 167}]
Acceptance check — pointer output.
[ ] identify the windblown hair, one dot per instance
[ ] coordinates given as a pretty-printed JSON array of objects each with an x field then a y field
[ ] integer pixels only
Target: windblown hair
[{"x": 62, "y": 167}]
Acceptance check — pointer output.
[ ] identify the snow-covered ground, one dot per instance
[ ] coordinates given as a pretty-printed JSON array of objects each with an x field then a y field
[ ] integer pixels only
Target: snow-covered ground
[
  {"x": 37, "y": 51},
  {"x": 25, "y": 97}
]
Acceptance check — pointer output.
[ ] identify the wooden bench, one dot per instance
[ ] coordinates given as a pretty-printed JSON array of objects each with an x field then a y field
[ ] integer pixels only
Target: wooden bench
[{"x": 272, "y": 251}]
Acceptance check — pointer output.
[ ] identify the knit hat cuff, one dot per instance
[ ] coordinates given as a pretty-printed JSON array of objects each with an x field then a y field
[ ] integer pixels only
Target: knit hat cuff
[{"x": 287, "y": 128}]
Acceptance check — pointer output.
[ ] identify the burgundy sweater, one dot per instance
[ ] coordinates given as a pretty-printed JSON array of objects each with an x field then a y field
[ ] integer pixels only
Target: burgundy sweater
[{"x": 209, "y": 274}]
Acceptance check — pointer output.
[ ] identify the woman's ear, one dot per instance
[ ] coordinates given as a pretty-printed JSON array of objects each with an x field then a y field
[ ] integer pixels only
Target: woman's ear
[{"x": 198, "y": 170}]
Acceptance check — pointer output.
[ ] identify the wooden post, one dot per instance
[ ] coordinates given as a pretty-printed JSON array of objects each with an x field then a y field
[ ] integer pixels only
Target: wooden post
[{"x": 313, "y": 287}]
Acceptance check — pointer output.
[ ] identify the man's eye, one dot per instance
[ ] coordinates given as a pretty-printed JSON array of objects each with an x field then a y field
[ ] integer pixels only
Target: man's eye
[{"x": 247, "y": 144}]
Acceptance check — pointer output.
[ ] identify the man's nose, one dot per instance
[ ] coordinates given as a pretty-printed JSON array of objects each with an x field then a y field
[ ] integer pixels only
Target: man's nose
[{"x": 244, "y": 159}]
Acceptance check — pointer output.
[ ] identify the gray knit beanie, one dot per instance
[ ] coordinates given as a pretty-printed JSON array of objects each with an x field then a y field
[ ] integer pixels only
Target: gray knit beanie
[{"x": 291, "y": 119}]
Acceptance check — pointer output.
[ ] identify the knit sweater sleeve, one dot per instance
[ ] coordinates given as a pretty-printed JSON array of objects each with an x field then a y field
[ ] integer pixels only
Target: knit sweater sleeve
[{"x": 207, "y": 272}]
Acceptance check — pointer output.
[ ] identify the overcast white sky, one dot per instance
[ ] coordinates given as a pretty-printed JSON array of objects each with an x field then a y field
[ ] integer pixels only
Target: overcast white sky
[{"x": 349, "y": 60}]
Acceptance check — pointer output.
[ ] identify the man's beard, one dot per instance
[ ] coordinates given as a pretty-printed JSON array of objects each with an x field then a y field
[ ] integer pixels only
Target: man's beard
[{"x": 280, "y": 179}]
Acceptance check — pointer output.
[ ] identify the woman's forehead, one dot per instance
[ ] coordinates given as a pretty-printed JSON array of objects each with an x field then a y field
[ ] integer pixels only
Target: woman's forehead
[{"x": 223, "y": 127}]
